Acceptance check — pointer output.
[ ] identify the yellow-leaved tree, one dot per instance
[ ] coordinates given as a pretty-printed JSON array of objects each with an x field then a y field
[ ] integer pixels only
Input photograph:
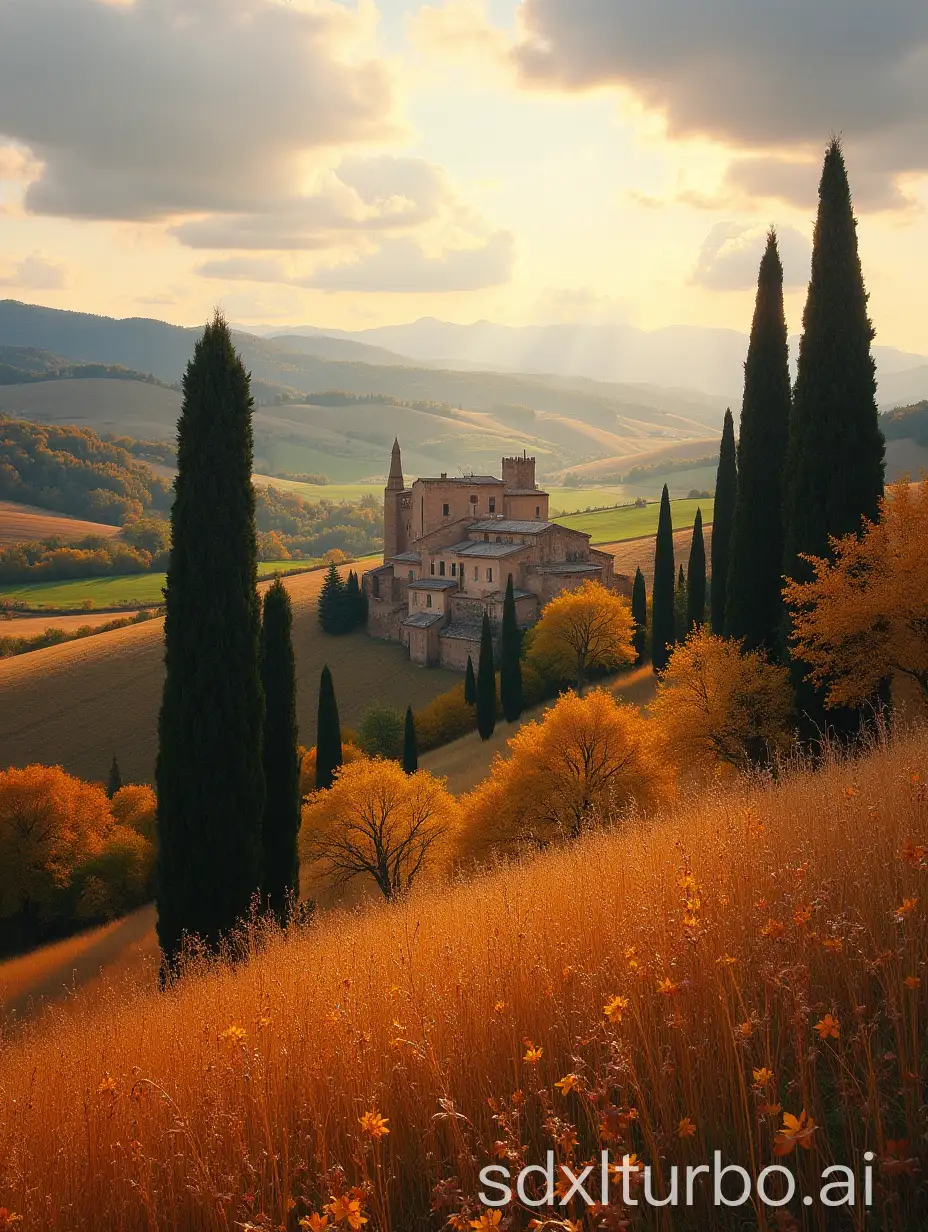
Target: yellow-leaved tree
[
  {"x": 377, "y": 821},
  {"x": 582, "y": 629},
  {"x": 350, "y": 752},
  {"x": 589, "y": 757},
  {"x": 864, "y": 615},
  {"x": 717, "y": 704}
]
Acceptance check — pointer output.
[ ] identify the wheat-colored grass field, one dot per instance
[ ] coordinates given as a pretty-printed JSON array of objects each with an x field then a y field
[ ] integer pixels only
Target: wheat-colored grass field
[
  {"x": 632, "y": 554},
  {"x": 21, "y": 523},
  {"x": 690, "y": 982}
]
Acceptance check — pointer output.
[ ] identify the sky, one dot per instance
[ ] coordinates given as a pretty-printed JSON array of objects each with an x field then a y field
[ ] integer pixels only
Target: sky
[{"x": 353, "y": 163}]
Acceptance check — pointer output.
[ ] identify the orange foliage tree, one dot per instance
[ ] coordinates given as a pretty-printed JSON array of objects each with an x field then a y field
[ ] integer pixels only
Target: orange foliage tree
[
  {"x": 585, "y": 628},
  {"x": 587, "y": 756},
  {"x": 136, "y": 806},
  {"x": 864, "y": 615},
  {"x": 716, "y": 704},
  {"x": 350, "y": 752},
  {"x": 377, "y": 821}
]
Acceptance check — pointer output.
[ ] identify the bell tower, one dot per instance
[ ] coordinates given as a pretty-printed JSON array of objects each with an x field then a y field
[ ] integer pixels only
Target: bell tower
[{"x": 394, "y": 525}]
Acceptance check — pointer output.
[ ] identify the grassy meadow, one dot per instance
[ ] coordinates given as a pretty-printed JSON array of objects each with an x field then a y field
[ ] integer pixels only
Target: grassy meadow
[
  {"x": 683, "y": 988},
  {"x": 629, "y": 522}
]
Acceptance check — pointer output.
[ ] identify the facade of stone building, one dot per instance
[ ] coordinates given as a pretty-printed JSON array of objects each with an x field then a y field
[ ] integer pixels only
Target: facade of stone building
[{"x": 450, "y": 545}]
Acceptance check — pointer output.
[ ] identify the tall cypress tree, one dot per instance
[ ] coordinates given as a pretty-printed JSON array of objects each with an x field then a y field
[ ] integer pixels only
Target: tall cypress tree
[
  {"x": 835, "y": 454},
  {"x": 640, "y": 616},
  {"x": 726, "y": 493},
  {"x": 114, "y": 781},
  {"x": 679, "y": 606},
  {"x": 410, "y": 744},
  {"x": 662, "y": 616},
  {"x": 281, "y": 882},
  {"x": 470, "y": 683},
  {"x": 328, "y": 733},
  {"x": 696, "y": 578},
  {"x": 209, "y": 772},
  {"x": 753, "y": 608},
  {"x": 510, "y": 666},
  {"x": 486, "y": 683}
]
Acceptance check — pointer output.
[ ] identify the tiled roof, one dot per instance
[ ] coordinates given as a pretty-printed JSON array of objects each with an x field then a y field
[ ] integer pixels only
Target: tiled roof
[
  {"x": 434, "y": 583},
  {"x": 570, "y": 567},
  {"x": 463, "y": 632},
  {"x": 506, "y": 527},
  {"x": 489, "y": 549},
  {"x": 408, "y": 558},
  {"x": 422, "y": 620},
  {"x": 500, "y": 595},
  {"x": 526, "y": 492}
]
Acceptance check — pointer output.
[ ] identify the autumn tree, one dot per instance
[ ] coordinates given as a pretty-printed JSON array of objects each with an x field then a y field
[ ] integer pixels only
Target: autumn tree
[
  {"x": 663, "y": 632},
  {"x": 726, "y": 495},
  {"x": 510, "y": 666},
  {"x": 583, "y": 629},
  {"x": 864, "y": 614},
  {"x": 378, "y": 822},
  {"x": 640, "y": 616},
  {"x": 135, "y": 806},
  {"x": 209, "y": 773},
  {"x": 588, "y": 757},
  {"x": 281, "y": 823},
  {"x": 486, "y": 683},
  {"x": 328, "y": 732},
  {"x": 350, "y": 752},
  {"x": 696, "y": 578},
  {"x": 716, "y": 704}
]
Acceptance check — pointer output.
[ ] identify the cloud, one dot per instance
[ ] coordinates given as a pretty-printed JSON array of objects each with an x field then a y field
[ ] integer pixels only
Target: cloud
[
  {"x": 398, "y": 266},
  {"x": 160, "y": 107},
  {"x": 377, "y": 193},
  {"x": 16, "y": 165},
  {"x": 755, "y": 77},
  {"x": 36, "y": 273},
  {"x": 730, "y": 257}
]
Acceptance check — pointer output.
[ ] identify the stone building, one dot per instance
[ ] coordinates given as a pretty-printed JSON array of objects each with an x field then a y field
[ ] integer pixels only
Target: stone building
[{"x": 450, "y": 544}]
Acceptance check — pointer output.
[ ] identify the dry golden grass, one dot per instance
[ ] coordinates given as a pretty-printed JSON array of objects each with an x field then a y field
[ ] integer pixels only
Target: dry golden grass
[
  {"x": 639, "y": 553},
  {"x": 21, "y": 522},
  {"x": 732, "y": 928},
  {"x": 77, "y": 704}
]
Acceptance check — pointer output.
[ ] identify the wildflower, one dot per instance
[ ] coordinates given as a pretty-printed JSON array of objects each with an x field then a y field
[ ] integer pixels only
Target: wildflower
[
  {"x": 667, "y": 987},
  {"x": 850, "y": 792},
  {"x": 908, "y": 906},
  {"x": 532, "y": 1054},
  {"x": 630, "y": 953},
  {"x": 233, "y": 1034},
  {"x": 489, "y": 1219},
  {"x": 569, "y": 1083},
  {"x": 773, "y": 929},
  {"x": 8, "y": 1218},
  {"x": 686, "y": 1129},
  {"x": 499, "y": 1007},
  {"x": 107, "y": 1087},
  {"x": 264, "y": 1022},
  {"x": 834, "y": 945},
  {"x": 911, "y": 981},
  {"x": 773, "y": 1110},
  {"x": 615, "y": 1007},
  {"x": 802, "y": 916},
  {"x": 763, "y": 1076},
  {"x": 346, "y": 1209},
  {"x": 314, "y": 1222},
  {"x": 745, "y": 1029},
  {"x": 796, "y": 1131},
  {"x": 913, "y": 854},
  {"x": 374, "y": 1125},
  {"x": 500, "y": 1149},
  {"x": 828, "y": 1026}
]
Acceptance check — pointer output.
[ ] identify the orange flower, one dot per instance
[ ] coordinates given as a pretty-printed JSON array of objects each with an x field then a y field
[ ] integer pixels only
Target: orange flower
[
  {"x": 614, "y": 1008},
  {"x": 745, "y": 1029},
  {"x": 314, "y": 1222},
  {"x": 686, "y": 1128},
  {"x": 532, "y": 1054},
  {"x": 233, "y": 1034},
  {"x": 773, "y": 929},
  {"x": 489, "y": 1219},
  {"x": 568, "y": 1083},
  {"x": 796, "y": 1131},
  {"x": 833, "y": 944},
  {"x": 499, "y": 1007},
  {"x": 667, "y": 987},
  {"x": 802, "y": 916},
  {"x": 374, "y": 1125},
  {"x": 911, "y": 981},
  {"x": 348, "y": 1210},
  {"x": 8, "y": 1218},
  {"x": 828, "y": 1026},
  {"x": 107, "y": 1087},
  {"x": 763, "y": 1077},
  {"x": 908, "y": 906}
]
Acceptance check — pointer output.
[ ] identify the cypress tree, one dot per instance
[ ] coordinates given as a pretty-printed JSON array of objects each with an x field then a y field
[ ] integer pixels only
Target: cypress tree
[
  {"x": 486, "y": 683},
  {"x": 333, "y": 607},
  {"x": 328, "y": 733},
  {"x": 726, "y": 493},
  {"x": 679, "y": 607},
  {"x": 209, "y": 772},
  {"x": 114, "y": 781},
  {"x": 753, "y": 607},
  {"x": 410, "y": 744},
  {"x": 835, "y": 453},
  {"x": 662, "y": 613},
  {"x": 281, "y": 882},
  {"x": 470, "y": 684},
  {"x": 696, "y": 579},
  {"x": 640, "y": 616},
  {"x": 355, "y": 602},
  {"x": 510, "y": 666}
]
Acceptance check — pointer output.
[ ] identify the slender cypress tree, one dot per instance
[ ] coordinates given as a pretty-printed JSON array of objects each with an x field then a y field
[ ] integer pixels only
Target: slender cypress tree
[
  {"x": 281, "y": 883},
  {"x": 328, "y": 733},
  {"x": 696, "y": 578},
  {"x": 410, "y": 744},
  {"x": 835, "y": 454},
  {"x": 510, "y": 666},
  {"x": 355, "y": 602},
  {"x": 486, "y": 683},
  {"x": 662, "y": 614},
  {"x": 679, "y": 606},
  {"x": 754, "y": 608},
  {"x": 333, "y": 607},
  {"x": 726, "y": 493},
  {"x": 209, "y": 772},
  {"x": 470, "y": 684},
  {"x": 640, "y": 616},
  {"x": 114, "y": 782}
]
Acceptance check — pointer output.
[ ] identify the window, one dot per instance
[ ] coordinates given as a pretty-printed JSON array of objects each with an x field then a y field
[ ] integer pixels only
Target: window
[
  {"x": 428, "y": 600},
  {"x": 446, "y": 511},
  {"x": 489, "y": 575},
  {"x": 473, "y": 498},
  {"x": 486, "y": 537},
  {"x": 538, "y": 511},
  {"x": 492, "y": 504},
  {"x": 441, "y": 568},
  {"x": 454, "y": 569},
  {"x": 415, "y": 598},
  {"x": 476, "y": 573},
  {"x": 412, "y": 575},
  {"x": 432, "y": 568}
]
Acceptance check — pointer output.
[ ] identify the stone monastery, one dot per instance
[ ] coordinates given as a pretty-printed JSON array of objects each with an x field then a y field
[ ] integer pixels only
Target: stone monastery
[{"x": 450, "y": 545}]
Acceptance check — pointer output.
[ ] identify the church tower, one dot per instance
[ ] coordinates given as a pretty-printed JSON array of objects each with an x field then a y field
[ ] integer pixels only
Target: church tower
[{"x": 394, "y": 525}]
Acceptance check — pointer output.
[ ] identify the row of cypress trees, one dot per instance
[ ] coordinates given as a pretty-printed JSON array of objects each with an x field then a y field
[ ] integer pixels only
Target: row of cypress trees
[
  {"x": 227, "y": 773},
  {"x": 678, "y": 603},
  {"x": 342, "y": 604},
  {"x": 329, "y": 753},
  {"x": 480, "y": 690}
]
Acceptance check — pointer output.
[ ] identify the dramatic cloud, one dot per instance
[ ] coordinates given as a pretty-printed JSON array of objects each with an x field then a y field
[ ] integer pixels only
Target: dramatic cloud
[
  {"x": 36, "y": 273},
  {"x": 730, "y": 257},
  {"x": 160, "y": 107},
  {"x": 756, "y": 77},
  {"x": 398, "y": 266},
  {"x": 362, "y": 194}
]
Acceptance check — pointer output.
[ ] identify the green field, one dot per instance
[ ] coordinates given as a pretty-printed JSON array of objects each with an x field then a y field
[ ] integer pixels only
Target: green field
[
  {"x": 335, "y": 492},
  {"x": 133, "y": 590},
  {"x": 627, "y": 522}
]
